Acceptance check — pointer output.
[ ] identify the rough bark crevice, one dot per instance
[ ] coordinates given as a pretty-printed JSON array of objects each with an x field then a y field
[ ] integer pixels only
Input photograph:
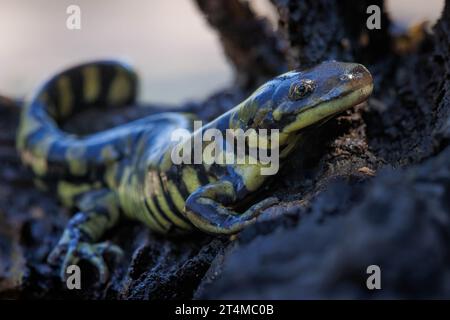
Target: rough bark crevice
[{"x": 328, "y": 29}]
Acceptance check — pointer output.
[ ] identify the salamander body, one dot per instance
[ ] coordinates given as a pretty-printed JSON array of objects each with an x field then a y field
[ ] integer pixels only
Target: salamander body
[{"x": 129, "y": 170}]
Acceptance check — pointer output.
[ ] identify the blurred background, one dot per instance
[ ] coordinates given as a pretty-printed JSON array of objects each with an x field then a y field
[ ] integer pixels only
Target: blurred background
[{"x": 178, "y": 57}]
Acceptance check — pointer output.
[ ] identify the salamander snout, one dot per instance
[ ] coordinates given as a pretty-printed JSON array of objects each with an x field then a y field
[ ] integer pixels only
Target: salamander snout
[{"x": 356, "y": 75}]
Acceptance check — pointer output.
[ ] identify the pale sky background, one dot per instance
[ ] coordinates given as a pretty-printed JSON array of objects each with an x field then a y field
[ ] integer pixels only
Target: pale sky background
[{"x": 168, "y": 41}]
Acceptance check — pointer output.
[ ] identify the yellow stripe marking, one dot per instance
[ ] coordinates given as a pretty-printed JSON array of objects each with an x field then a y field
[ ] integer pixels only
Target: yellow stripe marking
[
  {"x": 176, "y": 197},
  {"x": 190, "y": 179},
  {"x": 120, "y": 89},
  {"x": 151, "y": 221},
  {"x": 150, "y": 191},
  {"x": 325, "y": 109},
  {"x": 156, "y": 214},
  {"x": 65, "y": 96},
  {"x": 91, "y": 83},
  {"x": 251, "y": 175},
  {"x": 131, "y": 198},
  {"x": 68, "y": 191}
]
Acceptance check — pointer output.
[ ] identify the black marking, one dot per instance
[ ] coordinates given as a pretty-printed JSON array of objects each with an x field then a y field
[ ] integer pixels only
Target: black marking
[
  {"x": 161, "y": 212},
  {"x": 202, "y": 175},
  {"x": 152, "y": 214},
  {"x": 172, "y": 207},
  {"x": 175, "y": 176}
]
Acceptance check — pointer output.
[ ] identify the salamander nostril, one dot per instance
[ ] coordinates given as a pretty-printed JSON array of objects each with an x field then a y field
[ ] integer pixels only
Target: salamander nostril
[
  {"x": 355, "y": 74},
  {"x": 346, "y": 77},
  {"x": 359, "y": 71}
]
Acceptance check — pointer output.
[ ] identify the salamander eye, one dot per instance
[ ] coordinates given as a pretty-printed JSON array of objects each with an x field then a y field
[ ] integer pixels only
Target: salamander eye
[{"x": 301, "y": 89}]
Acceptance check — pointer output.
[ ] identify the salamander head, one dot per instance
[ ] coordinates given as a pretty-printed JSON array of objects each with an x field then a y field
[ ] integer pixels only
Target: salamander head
[{"x": 298, "y": 99}]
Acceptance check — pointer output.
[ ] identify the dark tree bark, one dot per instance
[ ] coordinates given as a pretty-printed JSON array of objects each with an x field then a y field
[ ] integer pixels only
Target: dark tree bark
[
  {"x": 370, "y": 187},
  {"x": 248, "y": 41},
  {"x": 328, "y": 29}
]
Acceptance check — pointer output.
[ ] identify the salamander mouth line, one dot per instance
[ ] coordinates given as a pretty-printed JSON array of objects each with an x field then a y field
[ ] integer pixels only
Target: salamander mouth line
[{"x": 327, "y": 109}]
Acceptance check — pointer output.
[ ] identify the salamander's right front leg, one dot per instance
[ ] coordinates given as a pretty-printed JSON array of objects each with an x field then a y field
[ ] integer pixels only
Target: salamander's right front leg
[
  {"x": 99, "y": 212},
  {"x": 206, "y": 209}
]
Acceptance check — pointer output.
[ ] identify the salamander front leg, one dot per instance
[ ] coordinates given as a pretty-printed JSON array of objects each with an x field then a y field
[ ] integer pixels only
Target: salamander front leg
[
  {"x": 206, "y": 209},
  {"x": 99, "y": 212}
]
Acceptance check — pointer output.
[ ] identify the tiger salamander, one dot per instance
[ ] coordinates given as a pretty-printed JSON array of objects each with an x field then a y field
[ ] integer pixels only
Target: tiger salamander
[{"x": 128, "y": 170}]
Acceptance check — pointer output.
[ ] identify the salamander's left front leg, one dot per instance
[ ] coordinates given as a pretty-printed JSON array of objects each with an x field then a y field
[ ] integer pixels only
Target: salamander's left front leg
[
  {"x": 98, "y": 212},
  {"x": 206, "y": 209}
]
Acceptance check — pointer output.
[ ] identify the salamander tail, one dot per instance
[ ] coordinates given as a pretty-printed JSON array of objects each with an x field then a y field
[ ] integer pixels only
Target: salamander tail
[{"x": 40, "y": 140}]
